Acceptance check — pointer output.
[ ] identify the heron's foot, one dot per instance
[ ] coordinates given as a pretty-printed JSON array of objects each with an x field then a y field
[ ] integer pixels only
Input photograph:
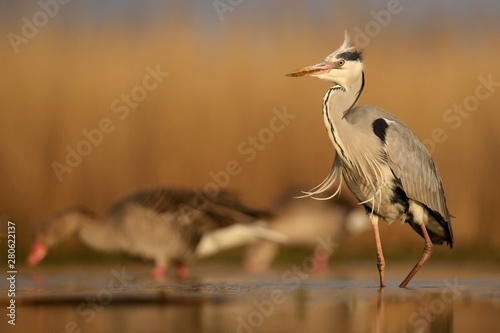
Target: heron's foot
[{"x": 381, "y": 272}]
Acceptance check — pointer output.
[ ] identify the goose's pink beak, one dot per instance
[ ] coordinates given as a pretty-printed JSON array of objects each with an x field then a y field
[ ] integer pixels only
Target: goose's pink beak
[{"x": 37, "y": 253}]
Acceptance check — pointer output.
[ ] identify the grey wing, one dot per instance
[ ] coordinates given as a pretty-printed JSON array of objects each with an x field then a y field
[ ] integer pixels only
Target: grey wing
[
  {"x": 413, "y": 165},
  {"x": 193, "y": 211}
]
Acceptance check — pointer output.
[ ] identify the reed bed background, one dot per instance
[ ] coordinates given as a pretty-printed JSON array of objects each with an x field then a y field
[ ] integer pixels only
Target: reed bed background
[{"x": 226, "y": 81}]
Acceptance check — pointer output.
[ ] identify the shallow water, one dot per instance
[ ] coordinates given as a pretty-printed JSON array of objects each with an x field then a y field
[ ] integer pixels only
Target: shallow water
[{"x": 222, "y": 298}]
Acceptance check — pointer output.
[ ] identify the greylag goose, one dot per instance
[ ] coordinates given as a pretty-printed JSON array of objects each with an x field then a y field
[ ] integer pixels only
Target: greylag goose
[{"x": 170, "y": 226}]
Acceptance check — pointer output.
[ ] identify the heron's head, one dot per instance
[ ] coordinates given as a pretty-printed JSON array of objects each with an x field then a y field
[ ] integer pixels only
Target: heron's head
[
  {"x": 56, "y": 228},
  {"x": 343, "y": 67}
]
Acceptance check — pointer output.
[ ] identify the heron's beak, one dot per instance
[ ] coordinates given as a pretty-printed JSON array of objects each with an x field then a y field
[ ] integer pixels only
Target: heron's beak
[
  {"x": 37, "y": 253},
  {"x": 322, "y": 67}
]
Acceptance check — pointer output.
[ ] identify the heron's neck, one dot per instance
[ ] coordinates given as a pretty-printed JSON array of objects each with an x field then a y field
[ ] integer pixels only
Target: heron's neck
[{"x": 337, "y": 101}]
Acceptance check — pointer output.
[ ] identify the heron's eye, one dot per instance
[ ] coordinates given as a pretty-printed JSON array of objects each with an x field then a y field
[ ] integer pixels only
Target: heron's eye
[{"x": 341, "y": 62}]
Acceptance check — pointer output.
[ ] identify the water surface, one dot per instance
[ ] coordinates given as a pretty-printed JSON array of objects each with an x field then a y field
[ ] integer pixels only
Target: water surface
[{"x": 222, "y": 298}]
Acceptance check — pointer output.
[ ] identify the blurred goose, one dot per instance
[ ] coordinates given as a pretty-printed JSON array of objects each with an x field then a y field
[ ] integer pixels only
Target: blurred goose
[
  {"x": 304, "y": 223},
  {"x": 166, "y": 225}
]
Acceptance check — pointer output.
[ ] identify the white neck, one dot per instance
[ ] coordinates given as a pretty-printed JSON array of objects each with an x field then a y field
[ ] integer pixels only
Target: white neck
[
  {"x": 337, "y": 101},
  {"x": 358, "y": 156}
]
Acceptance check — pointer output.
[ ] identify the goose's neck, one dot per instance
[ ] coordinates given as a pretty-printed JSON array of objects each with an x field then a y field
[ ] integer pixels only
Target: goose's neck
[{"x": 99, "y": 236}]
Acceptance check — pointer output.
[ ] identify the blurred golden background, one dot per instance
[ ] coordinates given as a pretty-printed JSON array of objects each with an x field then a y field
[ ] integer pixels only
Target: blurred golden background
[{"x": 86, "y": 75}]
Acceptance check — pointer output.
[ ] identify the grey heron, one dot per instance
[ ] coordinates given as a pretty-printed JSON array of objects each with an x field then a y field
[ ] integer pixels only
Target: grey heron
[
  {"x": 166, "y": 225},
  {"x": 379, "y": 157}
]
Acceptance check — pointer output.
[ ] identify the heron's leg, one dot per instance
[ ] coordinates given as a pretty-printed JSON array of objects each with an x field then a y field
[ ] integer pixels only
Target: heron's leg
[
  {"x": 380, "y": 254},
  {"x": 426, "y": 255}
]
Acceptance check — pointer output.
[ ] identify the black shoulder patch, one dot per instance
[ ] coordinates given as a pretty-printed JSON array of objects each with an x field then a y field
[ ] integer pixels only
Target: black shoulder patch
[{"x": 379, "y": 127}]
